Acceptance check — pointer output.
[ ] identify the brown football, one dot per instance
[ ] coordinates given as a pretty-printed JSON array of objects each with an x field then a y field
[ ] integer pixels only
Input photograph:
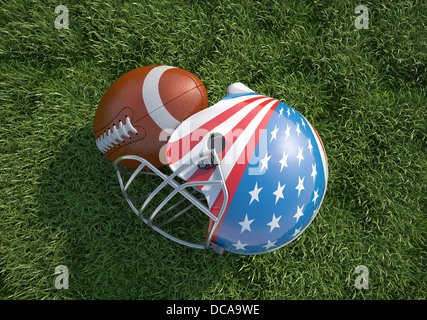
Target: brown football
[{"x": 140, "y": 105}]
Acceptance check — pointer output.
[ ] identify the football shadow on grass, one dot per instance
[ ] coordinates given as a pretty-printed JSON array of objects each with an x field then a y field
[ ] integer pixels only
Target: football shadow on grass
[{"x": 111, "y": 253}]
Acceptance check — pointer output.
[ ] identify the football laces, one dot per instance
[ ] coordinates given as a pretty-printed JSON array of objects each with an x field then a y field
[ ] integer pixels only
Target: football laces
[{"x": 110, "y": 138}]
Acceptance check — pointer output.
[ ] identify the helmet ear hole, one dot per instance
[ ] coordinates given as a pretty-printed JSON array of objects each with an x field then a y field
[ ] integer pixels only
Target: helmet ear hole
[{"x": 216, "y": 141}]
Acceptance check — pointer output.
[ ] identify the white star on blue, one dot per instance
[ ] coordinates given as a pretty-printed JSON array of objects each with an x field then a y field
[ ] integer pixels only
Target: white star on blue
[{"x": 292, "y": 179}]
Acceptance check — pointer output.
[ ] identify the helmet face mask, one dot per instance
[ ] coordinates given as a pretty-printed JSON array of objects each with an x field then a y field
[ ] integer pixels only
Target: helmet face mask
[
  {"x": 255, "y": 166},
  {"x": 188, "y": 191}
]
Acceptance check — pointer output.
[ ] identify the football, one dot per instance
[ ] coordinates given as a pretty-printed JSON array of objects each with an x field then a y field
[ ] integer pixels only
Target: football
[{"x": 141, "y": 109}]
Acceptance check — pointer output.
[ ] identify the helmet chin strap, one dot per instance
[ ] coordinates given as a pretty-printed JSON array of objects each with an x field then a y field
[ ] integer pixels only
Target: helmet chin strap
[{"x": 211, "y": 159}]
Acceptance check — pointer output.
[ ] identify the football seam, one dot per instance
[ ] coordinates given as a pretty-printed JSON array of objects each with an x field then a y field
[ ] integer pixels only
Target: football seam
[
  {"x": 110, "y": 152},
  {"x": 107, "y": 126},
  {"x": 164, "y": 104},
  {"x": 118, "y": 147},
  {"x": 107, "y": 141}
]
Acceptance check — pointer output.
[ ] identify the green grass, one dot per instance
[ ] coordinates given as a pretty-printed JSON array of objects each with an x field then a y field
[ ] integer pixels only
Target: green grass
[{"x": 363, "y": 90}]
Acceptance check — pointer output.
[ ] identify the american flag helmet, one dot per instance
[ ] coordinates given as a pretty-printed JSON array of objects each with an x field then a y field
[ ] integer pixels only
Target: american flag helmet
[{"x": 259, "y": 165}]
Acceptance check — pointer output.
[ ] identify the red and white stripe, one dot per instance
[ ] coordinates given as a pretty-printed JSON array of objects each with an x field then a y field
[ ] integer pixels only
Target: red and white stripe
[
  {"x": 235, "y": 158},
  {"x": 241, "y": 121},
  {"x": 189, "y": 136}
]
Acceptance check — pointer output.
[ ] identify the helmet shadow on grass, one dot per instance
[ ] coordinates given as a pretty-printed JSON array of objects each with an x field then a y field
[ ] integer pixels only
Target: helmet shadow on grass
[{"x": 111, "y": 253}]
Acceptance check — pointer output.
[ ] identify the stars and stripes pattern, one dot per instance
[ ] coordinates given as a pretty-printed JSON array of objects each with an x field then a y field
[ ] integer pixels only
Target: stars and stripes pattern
[
  {"x": 240, "y": 119},
  {"x": 274, "y": 167},
  {"x": 273, "y": 207}
]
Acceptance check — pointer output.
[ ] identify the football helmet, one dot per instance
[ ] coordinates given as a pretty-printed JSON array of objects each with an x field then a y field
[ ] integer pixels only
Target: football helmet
[{"x": 258, "y": 164}]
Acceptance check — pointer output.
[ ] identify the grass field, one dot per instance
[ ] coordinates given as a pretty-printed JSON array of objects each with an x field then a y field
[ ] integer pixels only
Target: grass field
[{"x": 362, "y": 89}]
